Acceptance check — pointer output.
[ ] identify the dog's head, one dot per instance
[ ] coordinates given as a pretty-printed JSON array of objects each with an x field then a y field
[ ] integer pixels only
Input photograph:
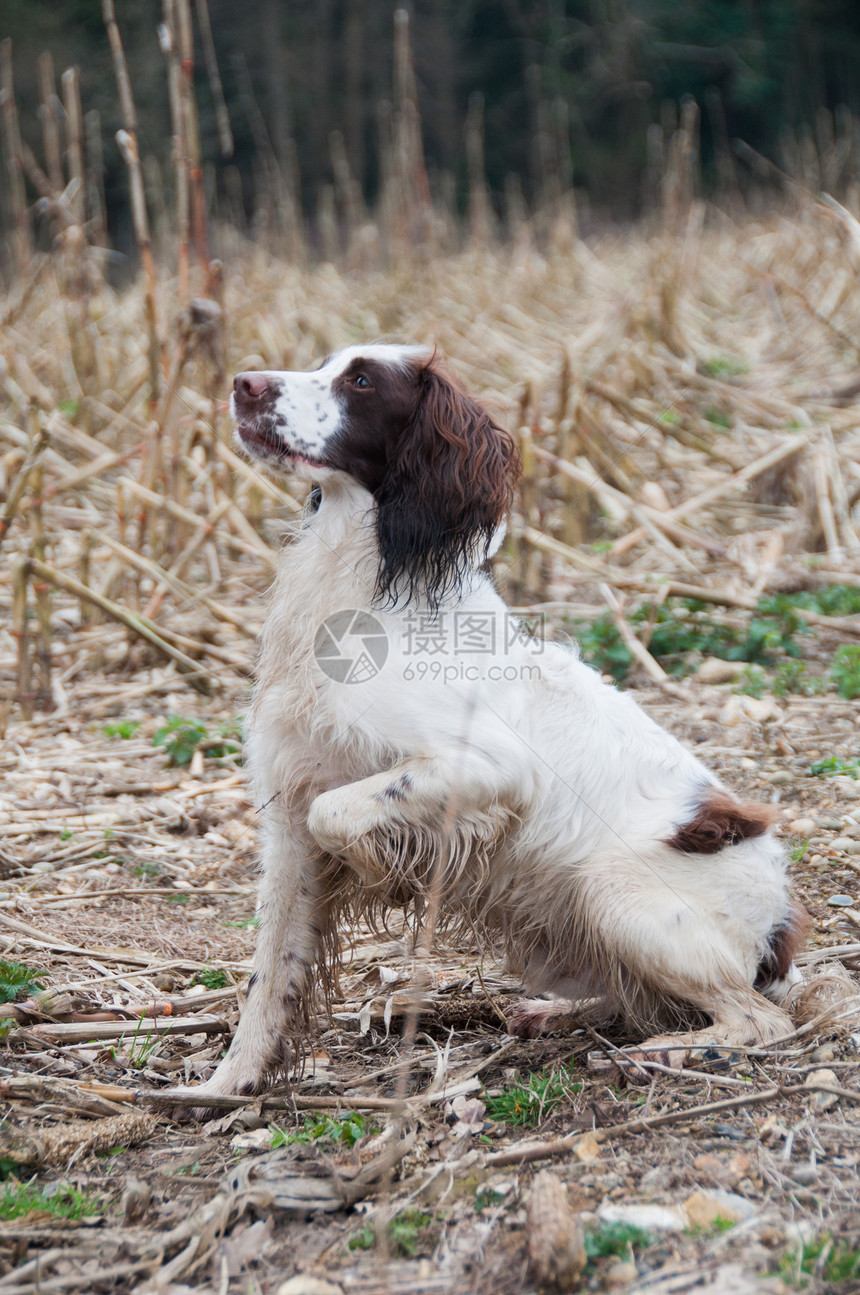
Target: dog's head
[{"x": 442, "y": 473}]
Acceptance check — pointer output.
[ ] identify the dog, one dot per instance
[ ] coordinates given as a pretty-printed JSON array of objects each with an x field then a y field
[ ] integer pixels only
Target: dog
[{"x": 408, "y": 739}]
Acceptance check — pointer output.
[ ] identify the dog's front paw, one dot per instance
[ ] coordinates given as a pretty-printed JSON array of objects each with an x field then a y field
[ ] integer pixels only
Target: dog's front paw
[{"x": 342, "y": 829}]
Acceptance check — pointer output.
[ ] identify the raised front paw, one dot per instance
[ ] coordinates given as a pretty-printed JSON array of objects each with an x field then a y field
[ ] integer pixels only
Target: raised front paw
[{"x": 345, "y": 829}]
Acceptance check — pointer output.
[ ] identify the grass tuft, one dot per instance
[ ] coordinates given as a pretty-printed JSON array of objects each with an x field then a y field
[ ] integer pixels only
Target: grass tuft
[
  {"x": 18, "y": 981},
  {"x": 532, "y": 1101},
  {"x": 20, "y": 1199}
]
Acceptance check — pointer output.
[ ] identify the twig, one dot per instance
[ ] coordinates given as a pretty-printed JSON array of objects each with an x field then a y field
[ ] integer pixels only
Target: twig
[
  {"x": 19, "y": 483},
  {"x": 635, "y": 647},
  {"x": 139, "y": 624},
  {"x": 561, "y": 1146}
]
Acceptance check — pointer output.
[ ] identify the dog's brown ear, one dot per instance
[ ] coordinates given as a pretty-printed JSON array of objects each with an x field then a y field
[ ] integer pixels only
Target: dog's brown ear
[
  {"x": 722, "y": 820},
  {"x": 448, "y": 486}
]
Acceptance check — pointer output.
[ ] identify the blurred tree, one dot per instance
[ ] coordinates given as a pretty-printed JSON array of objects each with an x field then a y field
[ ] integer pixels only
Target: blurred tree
[{"x": 564, "y": 83}]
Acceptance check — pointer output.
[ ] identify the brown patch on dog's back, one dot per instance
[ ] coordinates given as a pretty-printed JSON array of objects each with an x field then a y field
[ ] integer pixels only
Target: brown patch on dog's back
[
  {"x": 722, "y": 820},
  {"x": 783, "y": 943}
]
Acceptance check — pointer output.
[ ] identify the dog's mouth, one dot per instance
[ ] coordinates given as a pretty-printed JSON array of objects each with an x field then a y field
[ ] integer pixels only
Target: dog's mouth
[{"x": 262, "y": 440}]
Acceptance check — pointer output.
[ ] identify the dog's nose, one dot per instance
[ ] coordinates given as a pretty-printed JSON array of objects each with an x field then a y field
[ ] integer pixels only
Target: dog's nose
[{"x": 250, "y": 386}]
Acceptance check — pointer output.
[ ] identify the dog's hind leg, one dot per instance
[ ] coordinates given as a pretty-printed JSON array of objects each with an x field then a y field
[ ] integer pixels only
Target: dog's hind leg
[{"x": 741, "y": 1018}]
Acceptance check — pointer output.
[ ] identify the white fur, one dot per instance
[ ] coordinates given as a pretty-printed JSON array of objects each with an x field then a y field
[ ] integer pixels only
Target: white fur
[{"x": 543, "y": 794}]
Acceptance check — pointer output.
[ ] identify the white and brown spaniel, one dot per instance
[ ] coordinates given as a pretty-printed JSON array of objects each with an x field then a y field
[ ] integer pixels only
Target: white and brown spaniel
[{"x": 407, "y": 734}]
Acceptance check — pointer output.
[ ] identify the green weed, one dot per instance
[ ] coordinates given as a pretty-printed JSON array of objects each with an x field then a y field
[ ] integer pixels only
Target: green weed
[
  {"x": 682, "y": 626},
  {"x": 724, "y": 366},
  {"x": 602, "y": 646},
  {"x": 66, "y": 834},
  {"x": 180, "y": 738},
  {"x": 18, "y": 981},
  {"x": 407, "y": 1234},
  {"x": 719, "y": 418},
  {"x": 20, "y": 1199},
  {"x": 140, "y": 1049},
  {"x": 533, "y": 1101},
  {"x": 345, "y": 1129},
  {"x": 832, "y": 766},
  {"x": 845, "y": 670},
  {"x": 797, "y": 850},
  {"x": 211, "y": 977},
  {"x": 752, "y": 682},
  {"x": 124, "y": 728},
  {"x": 618, "y": 1239},
  {"x": 832, "y": 1261},
  {"x": 791, "y": 677},
  {"x": 147, "y": 870},
  {"x": 178, "y": 898}
]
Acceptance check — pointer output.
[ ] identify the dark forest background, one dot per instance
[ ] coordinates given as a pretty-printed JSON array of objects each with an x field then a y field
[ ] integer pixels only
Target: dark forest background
[{"x": 568, "y": 88}]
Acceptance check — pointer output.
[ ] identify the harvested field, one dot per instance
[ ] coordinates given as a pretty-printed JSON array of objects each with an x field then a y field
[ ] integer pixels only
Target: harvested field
[{"x": 690, "y": 509}]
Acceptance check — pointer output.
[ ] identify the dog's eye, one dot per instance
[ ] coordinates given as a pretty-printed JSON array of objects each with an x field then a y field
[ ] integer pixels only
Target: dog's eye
[{"x": 360, "y": 381}]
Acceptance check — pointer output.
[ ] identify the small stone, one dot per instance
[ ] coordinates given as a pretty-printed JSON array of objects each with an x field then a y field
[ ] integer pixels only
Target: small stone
[
  {"x": 806, "y": 1175},
  {"x": 826, "y": 1052},
  {"x": 307, "y": 1284},
  {"x": 714, "y": 670},
  {"x": 830, "y": 824},
  {"x": 620, "y": 1272},
  {"x": 704, "y": 1209},
  {"x": 586, "y": 1148},
  {"x": 740, "y": 707},
  {"x": 845, "y": 845},
  {"x": 650, "y": 1218},
  {"x": 710, "y": 1165},
  {"x": 840, "y": 901},
  {"x": 822, "y": 1101},
  {"x": 253, "y": 1140},
  {"x": 780, "y": 778},
  {"x": 802, "y": 827}
]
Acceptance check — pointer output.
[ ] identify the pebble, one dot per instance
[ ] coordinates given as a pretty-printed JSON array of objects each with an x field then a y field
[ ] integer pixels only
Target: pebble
[
  {"x": 840, "y": 901},
  {"x": 830, "y": 824},
  {"x": 822, "y": 1101},
  {"x": 620, "y": 1272},
  {"x": 740, "y": 707},
  {"x": 714, "y": 670},
  {"x": 806, "y": 1175},
  {"x": 704, "y": 1208},
  {"x": 781, "y": 778},
  {"x": 802, "y": 827},
  {"x": 306, "y": 1284},
  {"x": 845, "y": 845},
  {"x": 651, "y": 1218}
]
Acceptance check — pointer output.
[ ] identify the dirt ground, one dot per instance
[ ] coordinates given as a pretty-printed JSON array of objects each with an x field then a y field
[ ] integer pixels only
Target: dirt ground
[{"x": 140, "y": 879}]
